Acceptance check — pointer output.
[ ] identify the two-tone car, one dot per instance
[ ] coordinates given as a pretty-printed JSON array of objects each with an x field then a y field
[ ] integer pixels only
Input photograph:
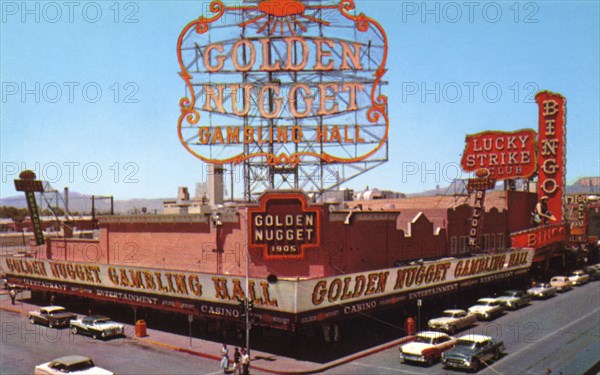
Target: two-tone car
[
  {"x": 579, "y": 277},
  {"x": 487, "y": 308},
  {"x": 472, "y": 352},
  {"x": 52, "y": 316},
  {"x": 561, "y": 283},
  {"x": 70, "y": 364},
  {"x": 542, "y": 291},
  {"x": 97, "y": 326},
  {"x": 427, "y": 347},
  {"x": 452, "y": 321},
  {"x": 514, "y": 299}
]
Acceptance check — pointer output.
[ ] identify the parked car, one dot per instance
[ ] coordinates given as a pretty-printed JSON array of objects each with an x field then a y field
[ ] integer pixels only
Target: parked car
[
  {"x": 452, "y": 320},
  {"x": 97, "y": 326},
  {"x": 473, "y": 351},
  {"x": 427, "y": 347},
  {"x": 513, "y": 299},
  {"x": 593, "y": 272},
  {"x": 579, "y": 277},
  {"x": 542, "y": 290},
  {"x": 561, "y": 283},
  {"x": 71, "y": 364},
  {"x": 487, "y": 308},
  {"x": 52, "y": 316}
]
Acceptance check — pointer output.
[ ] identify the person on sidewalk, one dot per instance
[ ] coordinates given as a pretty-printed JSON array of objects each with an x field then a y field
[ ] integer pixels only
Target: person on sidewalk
[
  {"x": 237, "y": 366},
  {"x": 13, "y": 296},
  {"x": 224, "y": 358},
  {"x": 245, "y": 362}
]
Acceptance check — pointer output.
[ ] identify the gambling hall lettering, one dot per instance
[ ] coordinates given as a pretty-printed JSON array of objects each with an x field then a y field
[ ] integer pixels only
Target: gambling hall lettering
[{"x": 375, "y": 284}]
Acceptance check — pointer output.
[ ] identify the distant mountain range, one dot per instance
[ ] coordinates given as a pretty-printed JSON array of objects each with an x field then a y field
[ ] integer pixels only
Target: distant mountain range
[{"x": 82, "y": 203}]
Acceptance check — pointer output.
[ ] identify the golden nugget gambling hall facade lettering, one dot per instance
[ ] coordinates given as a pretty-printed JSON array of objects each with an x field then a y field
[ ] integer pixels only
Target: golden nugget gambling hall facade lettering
[
  {"x": 200, "y": 293},
  {"x": 148, "y": 281},
  {"x": 352, "y": 287}
]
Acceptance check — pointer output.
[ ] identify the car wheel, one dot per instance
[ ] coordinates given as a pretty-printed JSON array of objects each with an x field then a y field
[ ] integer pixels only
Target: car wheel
[
  {"x": 74, "y": 330},
  {"x": 430, "y": 361},
  {"x": 50, "y": 325},
  {"x": 497, "y": 353},
  {"x": 453, "y": 330},
  {"x": 95, "y": 336},
  {"x": 31, "y": 320}
]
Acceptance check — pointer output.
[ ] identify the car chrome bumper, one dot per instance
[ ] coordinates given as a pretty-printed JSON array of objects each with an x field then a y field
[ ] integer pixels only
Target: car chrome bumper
[
  {"x": 413, "y": 357},
  {"x": 457, "y": 363}
]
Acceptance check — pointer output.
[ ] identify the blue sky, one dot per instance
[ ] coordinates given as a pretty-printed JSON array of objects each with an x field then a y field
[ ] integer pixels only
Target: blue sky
[{"x": 90, "y": 91}]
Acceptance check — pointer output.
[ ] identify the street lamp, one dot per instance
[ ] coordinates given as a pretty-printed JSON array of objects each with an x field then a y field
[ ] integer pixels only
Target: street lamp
[{"x": 247, "y": 285}]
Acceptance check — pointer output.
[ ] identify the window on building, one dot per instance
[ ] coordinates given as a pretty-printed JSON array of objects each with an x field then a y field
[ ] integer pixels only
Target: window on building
[
  {"x": 501, "y": 245},
  {"x": 493, "y": 241},
  {"x": 464, "y": 244},
  {"x": 453, "y": 245}
]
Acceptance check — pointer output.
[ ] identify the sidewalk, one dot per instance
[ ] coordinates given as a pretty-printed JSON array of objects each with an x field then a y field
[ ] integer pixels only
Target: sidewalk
[{"x": 261, "y": 362}]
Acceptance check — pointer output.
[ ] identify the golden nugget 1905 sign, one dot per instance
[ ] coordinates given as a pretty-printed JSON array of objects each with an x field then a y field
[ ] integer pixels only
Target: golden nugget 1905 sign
[{"x": 282, "y": 80}]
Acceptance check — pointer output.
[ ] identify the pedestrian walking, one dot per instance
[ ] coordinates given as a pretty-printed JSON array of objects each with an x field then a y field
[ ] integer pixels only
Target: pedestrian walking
[
  {"x": 13, "y": 296},
  {"x": 245, "y": 362},
  {"x": 237, "y": 358},
  {"x": 224, "y": 358}
]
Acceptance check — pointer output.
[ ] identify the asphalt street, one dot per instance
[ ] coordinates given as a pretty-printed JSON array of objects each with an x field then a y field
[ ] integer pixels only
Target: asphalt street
[{"x": 557, "y": 336}]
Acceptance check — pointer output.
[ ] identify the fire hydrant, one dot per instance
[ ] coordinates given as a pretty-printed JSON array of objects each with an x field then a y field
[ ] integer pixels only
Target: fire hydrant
[{"x": 409, "y": 326}]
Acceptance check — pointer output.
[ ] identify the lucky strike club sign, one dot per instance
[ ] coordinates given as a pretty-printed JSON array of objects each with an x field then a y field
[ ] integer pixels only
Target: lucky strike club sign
[
  {"x": 283, "y": 226},
  {"x": 501, "y": 155},
  {"x": 281, "y": 73}
]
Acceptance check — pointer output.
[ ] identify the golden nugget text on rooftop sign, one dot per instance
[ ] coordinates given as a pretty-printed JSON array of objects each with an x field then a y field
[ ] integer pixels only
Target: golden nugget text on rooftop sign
[{"x": 265, "y": 80}]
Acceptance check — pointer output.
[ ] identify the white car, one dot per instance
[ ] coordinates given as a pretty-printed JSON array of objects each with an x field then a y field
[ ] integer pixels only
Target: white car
[
  {"x": 452, "y": 320},
  {"x": 542, "y": 290},
  {"x": 427, "y": 347},
  {"x": 71, "y": 364},
  {"x": 561, "y": 283},
  {"x": 487, "y": 308},
  {"x": 579, "y": 277}
]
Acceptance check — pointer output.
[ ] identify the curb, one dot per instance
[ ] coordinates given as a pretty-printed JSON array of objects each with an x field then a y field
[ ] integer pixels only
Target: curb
[
  {"x": 324, "y": 367},
  {"x": 315, "y": 370}
]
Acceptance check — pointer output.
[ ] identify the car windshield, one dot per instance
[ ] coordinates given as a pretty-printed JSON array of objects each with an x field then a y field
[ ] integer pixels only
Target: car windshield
[
  {"x": 424, "y": 340},
  {"x": 448, "y": 314},
  {"x": 466, "y": 344},
  {"x": 57, "y": 311},
  {"x": 102, "y": 320},
  {"x": 80, "y": 366},
  {"x": 544, "y": 285},
  {"x": 487, "y": 303}
]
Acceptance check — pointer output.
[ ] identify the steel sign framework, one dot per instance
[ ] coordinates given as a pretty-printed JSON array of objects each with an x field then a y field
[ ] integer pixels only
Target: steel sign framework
[{"x": 290, "y": 90}]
